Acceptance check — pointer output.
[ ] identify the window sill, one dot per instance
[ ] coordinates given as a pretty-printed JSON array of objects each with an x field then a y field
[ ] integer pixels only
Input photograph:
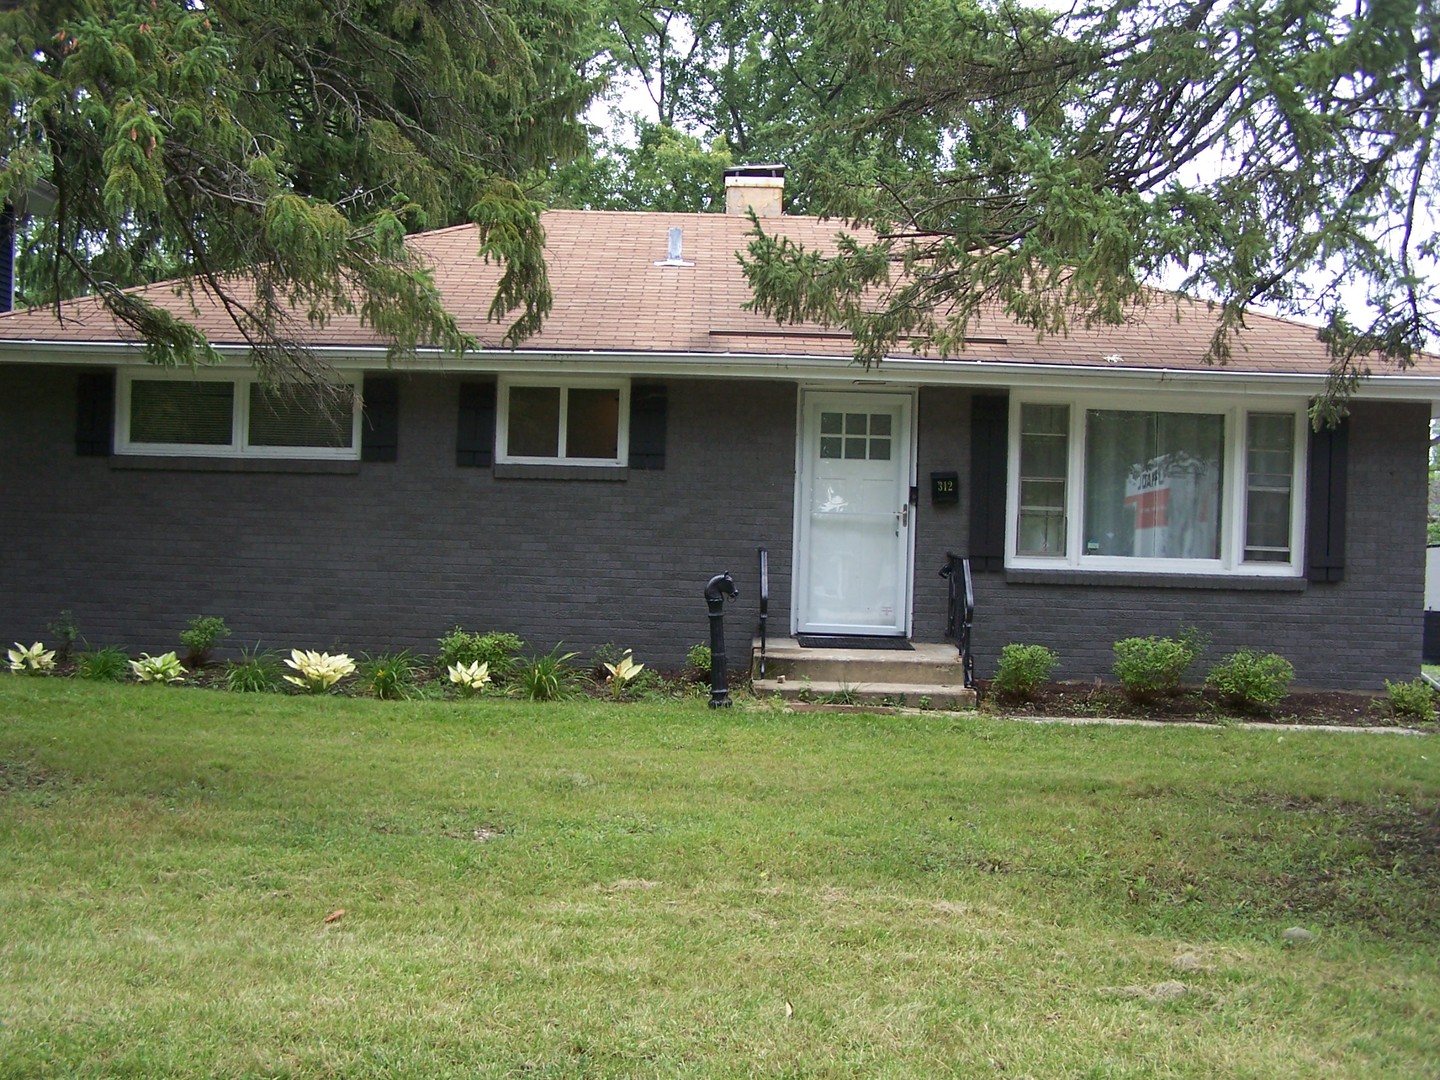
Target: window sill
[
  {"x": 1128, "y": 580},
  {"x": 164, "y": 463},
  {"x": 611, "y": 473}
]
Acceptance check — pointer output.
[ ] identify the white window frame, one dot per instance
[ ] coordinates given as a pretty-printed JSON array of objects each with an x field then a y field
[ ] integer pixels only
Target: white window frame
[
  {"x": 502, "y": 420},
  {"x": 239, "y": 445},
  {"x": 1233, "y": 489}
]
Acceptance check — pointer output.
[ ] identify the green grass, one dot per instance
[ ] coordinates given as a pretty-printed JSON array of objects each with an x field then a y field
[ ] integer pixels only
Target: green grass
[{"x": 660, "y": 890}]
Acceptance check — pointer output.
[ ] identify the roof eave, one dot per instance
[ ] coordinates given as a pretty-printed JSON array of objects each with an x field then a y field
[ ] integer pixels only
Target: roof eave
[{"x": 839, "y": 368}]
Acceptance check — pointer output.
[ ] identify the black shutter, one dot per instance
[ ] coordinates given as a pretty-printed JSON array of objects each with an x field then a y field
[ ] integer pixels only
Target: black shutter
[
  {"x": 7, "y": 257},
  {"x": 95, "y": 414},
  {"x": 989, "y": 442},
  {"x": 1325, "y": 504},
  {"x": 475, "y": 433},
  {"x": 647, "y": 426},
  {"x": 380, "y": 425}
]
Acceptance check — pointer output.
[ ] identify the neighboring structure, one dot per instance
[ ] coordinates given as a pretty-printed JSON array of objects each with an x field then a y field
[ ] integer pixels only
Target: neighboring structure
[{"x": 583, "y": 488}]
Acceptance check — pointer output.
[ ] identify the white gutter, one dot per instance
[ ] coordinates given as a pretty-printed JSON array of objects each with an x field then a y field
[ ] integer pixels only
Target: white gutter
[{"x": 838, "y": 368}]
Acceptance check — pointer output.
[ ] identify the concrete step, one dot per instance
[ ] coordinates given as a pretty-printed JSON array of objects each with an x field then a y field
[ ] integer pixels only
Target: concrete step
[
  {"x": 929, "y": 664},
  {"x": 914, "y": 695}
]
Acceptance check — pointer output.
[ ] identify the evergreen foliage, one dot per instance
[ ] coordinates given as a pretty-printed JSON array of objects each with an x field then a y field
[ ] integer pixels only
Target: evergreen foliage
[{"x": 295, "y": 143}]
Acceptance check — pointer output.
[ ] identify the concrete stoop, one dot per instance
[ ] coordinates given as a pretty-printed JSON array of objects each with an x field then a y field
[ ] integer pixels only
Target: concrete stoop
[{"x": 930, "y": 675}]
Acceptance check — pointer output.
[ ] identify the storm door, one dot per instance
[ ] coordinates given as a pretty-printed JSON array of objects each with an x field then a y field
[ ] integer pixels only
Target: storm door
[{"x": 854, "y": 514}]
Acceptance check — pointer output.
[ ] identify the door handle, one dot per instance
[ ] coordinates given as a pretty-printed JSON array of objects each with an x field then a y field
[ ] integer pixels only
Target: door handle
[{"x": 902, "y": 518}]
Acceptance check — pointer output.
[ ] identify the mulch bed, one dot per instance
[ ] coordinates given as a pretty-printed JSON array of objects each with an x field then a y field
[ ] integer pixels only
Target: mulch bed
[{"x": 1074, "y": 699}]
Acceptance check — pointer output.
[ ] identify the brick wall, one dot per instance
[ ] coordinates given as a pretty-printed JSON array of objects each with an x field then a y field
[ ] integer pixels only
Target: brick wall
[
  {"x": 393, "y": 555},
  {"x": 1354, "y": 633}
]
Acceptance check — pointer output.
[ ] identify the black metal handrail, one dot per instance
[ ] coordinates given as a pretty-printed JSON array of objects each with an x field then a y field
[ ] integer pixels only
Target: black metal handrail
[
  {"x": 764, "y": 602},
  {"x": 960, "y": 610}
]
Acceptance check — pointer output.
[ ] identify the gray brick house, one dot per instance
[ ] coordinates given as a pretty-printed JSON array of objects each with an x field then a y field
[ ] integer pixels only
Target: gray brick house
[{"x": 583, "y": 488}]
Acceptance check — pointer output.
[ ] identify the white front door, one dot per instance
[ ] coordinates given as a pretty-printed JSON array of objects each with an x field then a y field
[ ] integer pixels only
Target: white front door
[{"x": 853, "y": 514}]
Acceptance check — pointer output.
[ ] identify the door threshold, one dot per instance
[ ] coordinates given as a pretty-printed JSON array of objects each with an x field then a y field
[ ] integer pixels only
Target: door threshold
[{"x": 855, "y": 641}]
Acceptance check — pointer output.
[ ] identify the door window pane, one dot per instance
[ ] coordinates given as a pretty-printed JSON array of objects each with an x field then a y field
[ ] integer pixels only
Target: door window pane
[
  {"x": 182, "y": 413},
  {"x": 1152, "y": 484}
]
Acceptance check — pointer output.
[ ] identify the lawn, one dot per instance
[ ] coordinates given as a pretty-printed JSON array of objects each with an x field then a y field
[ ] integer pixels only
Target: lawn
[{"x": 661, "y": 890}]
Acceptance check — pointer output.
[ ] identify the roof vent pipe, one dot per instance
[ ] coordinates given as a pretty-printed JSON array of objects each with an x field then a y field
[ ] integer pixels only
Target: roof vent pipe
[{"x": 673, "y": 249}]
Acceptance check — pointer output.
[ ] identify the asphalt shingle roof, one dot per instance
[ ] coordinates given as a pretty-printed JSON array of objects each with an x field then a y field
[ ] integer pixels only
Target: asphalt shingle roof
[{"x": 610, "y": 296}]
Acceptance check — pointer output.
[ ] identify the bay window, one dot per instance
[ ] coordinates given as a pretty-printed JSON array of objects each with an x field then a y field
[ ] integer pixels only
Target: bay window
[{"x": 1193, "y": 490}]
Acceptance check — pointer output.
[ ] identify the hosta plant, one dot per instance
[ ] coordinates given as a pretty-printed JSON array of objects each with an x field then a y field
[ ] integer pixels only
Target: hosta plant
[
  {"x": 165, "y": 668},
  {"x": 318, "y": 671},
  {"x": 621, "y": 673},
  {"x": 36, "y": 660},
  {"x": 469, "y": 678}
]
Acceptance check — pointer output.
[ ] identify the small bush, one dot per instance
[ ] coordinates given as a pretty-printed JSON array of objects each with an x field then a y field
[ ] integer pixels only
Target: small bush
[
  {"x": 1252, "y": 679},
  {"x": 1151, "y": 666},
  {"x": 165, "y": 668},
  {"x": 390, "y": 675},
  {"x": 103, "y": 665},
  {"x": 498, "y": 650},
  {"x": 700, "y": 659},
  {"x": 200, "y": 639},
  {"x": 1022, "y": 670},
  {"x": 1414, "y": 700},
  {"x": 66, "y": 633},
  {"x": 547, "y": 677},
  {"x": 255, "y": 672}
]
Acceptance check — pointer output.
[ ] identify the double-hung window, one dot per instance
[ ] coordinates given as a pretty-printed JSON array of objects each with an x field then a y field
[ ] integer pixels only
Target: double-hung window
[
  {"x": 563, "y": 422},
  {"x": 1167, "y": 487},
  {"x": 209, "y": 414}
]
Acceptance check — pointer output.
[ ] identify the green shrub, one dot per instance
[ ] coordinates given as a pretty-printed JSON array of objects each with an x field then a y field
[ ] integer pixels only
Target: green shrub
[
  {"x": 103, "y": 665},
  {"x": 700, "y": 659},
  {"x": 200, "y": 639},
  {"x": 390, "y": 675},
  {"x": 1252, "y": 679},
  {"x": 256, "y": 672},
  {"x": 1150, "y": 666},
  {"x": 1022, "y": 670},
  {"x": 1414, "y": 700},
  {"x": 64, "y": 631},
  {"x": 499, "y": 650},
  {"x": 547, "y": 677}
]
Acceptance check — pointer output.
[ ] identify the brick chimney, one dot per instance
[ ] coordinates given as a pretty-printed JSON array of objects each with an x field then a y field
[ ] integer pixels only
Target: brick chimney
[{"x": 755, "y": 187}]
